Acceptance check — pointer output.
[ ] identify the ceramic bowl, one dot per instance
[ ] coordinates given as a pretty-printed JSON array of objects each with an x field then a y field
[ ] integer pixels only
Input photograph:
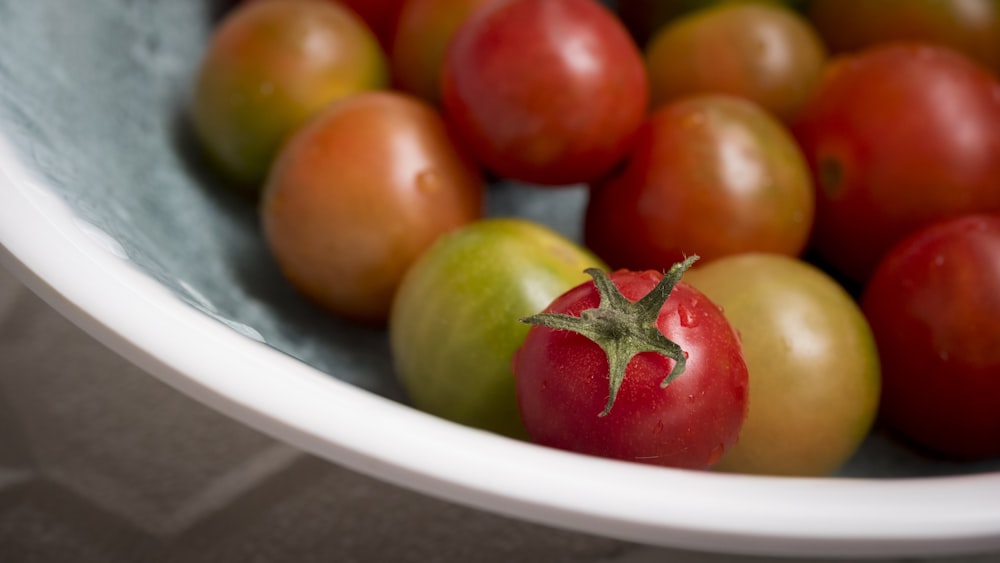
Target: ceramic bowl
[{"x": 108, "y": 213}]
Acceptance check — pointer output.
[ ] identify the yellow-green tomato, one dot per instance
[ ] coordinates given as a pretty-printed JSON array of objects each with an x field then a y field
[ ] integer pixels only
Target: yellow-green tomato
[
  {"x": 269, "y": 67},
  {"x": 455, "y": 321},
  {"x": 814, "y": 370}
]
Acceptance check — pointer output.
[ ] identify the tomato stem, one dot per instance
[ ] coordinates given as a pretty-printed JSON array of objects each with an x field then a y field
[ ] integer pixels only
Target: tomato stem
[{"x": 624, "y": 328}]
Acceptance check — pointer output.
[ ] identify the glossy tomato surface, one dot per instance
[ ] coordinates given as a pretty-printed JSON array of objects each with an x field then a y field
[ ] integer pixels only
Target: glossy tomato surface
[
  {"x": 710, "y": 175},
  {"x": 763, "y": 52},
  {"x": 361, "y": 192},
  {"x": 644, "y": 18},
  {"x": 934, "y": 306},
  {"x": 455, "y": 324},
  {"x": 562, "y": 383},
  {"x": 898, "y": 136},
  {"x": 423, "y": 33},
  {"x": 270, "y": 66},
  {"x": 969, "y": 26},
  {"x": 812, "y": 360},
  {"x": 545, "y": 92}
]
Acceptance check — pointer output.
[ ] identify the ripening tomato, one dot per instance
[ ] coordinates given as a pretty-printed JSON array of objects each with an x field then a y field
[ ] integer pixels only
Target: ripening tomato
[
  {"x": 454, "y": 322},
  {"x": 644, "y": 18},
  {"x": 270, "y": 66},
  {"x": 969, "y": 26},
  {"x": 763, "y": 52},
  {"x": 898, "y": 136},
  {"x": 812, "y": 362},
  {"x": 588, "y": 380},
  {"x": 359, "y": 193},
  {"x": 934, "y": 306},
  {"x": 423, "y": 32},
  {"x": 546, "y": 92},
  {"x": 710, "y": 175}
]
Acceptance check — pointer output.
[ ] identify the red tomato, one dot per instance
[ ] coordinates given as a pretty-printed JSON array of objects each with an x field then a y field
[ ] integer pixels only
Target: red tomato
[
  {"x": 934, "y": 307},
  {"x": 969, "y": 26},
  {"x": 423, "y": 32},
  {"x": 545, "y": 92},
  {"x": 709, "y": 175},
  {"x": 564, "y": 378},
  {"x": 356, "y": 196},
  {"x": 897, "y": 137}
]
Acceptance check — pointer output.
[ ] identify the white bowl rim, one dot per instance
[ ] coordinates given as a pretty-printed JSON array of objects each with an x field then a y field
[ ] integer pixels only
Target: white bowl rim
[{"x": 48, "y": 248}]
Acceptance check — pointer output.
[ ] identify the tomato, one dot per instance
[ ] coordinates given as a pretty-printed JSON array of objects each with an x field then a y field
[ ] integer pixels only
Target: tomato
[
  {"x": 934, "y": 304},
  {"x": 423, "y": 32},
  {"x": 762, "y": 52},
  {"x": 380, "y": 15},
  {"x": 680, "y": 406},
  {"x": 270, "y": 66},
  {"x": 644, "y": 18},
  {"x": 969, "y": 26},
  {"x": 897, "y": 137},
  {"x": 812, "y": 362},
  {"x": 361, "y": 192},
  {"x": 454, "y": 324},
  {"x": 545, "y": 92},
  {"x": 710, "y": 175}
]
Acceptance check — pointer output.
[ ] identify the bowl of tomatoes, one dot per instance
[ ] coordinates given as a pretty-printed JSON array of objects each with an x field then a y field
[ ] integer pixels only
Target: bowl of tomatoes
[{"x": 711, "y": 275}]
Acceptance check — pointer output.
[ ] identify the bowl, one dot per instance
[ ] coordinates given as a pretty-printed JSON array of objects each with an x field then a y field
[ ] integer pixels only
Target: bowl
[{"x": 108, "y": 212}]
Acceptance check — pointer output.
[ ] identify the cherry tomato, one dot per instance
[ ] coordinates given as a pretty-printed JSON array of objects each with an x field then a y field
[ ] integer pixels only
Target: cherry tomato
[
  {"x": 811, "y": 356},
  {"x": 454, "y": 323},
  {"x": 762, "y": 52},
  {"x": 934, "y": 304},
  {"x": 710, "y": 175},
  {"x": 270, "y": 66},
  {"x": 359, "y": 193},
  {"x": 545, "y": 92},
  {"x": 969, "y": 26},
  {"x": 644, "y": 18},
  {"x": 423, "y": 32},
  {"x": 898, "y": 136},
  {"x": 572, "y": 396}
]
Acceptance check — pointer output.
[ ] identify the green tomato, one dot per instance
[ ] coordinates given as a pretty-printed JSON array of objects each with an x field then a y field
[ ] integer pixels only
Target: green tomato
[
  {"x": 814, "y": 369},
  {"x": 455, "y": 322}
]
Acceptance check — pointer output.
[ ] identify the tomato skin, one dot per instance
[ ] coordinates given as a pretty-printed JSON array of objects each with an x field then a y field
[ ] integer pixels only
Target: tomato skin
[
  {"x": 562, "y": 383},
  {"x": 812, "y": 360},
  {"x": 934, "y": 304},
  {"x": 710, "y": 175},
  {"x": 644, "y": 18},
  {"x": 762, "y": 52},
  {"x": 897, "y": 137},
  {"x": 969, "y": 26},
  {"x": 359, "y": 193},
  {"x": 270, "y": 66},
  {"x": 548, "y": 93},
  {"x": 423, "y": 32},
  {"x": 454, "y": 323}
]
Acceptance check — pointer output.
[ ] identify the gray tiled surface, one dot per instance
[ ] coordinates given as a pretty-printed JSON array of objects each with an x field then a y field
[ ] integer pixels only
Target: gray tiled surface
[{"x": 100, "y": 462}]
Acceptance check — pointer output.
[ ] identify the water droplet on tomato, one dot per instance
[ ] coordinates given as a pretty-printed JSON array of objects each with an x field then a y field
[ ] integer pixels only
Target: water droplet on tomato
[
  {"x": 428, "y": 183},
  {"x": 716, "y": 454},
  {"x": 658, "y": 428},
  {"x": 689, "y": 318}
]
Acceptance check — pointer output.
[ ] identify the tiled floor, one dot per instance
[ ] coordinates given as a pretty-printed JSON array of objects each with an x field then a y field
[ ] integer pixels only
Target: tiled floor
[{"x": 100, "y": 462}]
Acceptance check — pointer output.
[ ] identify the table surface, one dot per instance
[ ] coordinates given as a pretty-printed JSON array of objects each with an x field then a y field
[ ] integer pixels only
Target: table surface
[{"x": 100, "y": 462}]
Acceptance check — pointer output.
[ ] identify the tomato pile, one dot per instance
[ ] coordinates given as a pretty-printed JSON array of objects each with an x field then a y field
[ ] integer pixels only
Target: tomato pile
[{"x": 792, "y": 228}]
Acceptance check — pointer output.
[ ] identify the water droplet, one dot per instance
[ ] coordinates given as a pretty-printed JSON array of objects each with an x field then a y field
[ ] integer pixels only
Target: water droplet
[
  {"x": 428, "y": 182},
  {"x": 658, "y": 428},
  {"x": 686, "y": 355},
  {"x": 689, "y": 318},
  {"x": 716, "y": 454}
]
